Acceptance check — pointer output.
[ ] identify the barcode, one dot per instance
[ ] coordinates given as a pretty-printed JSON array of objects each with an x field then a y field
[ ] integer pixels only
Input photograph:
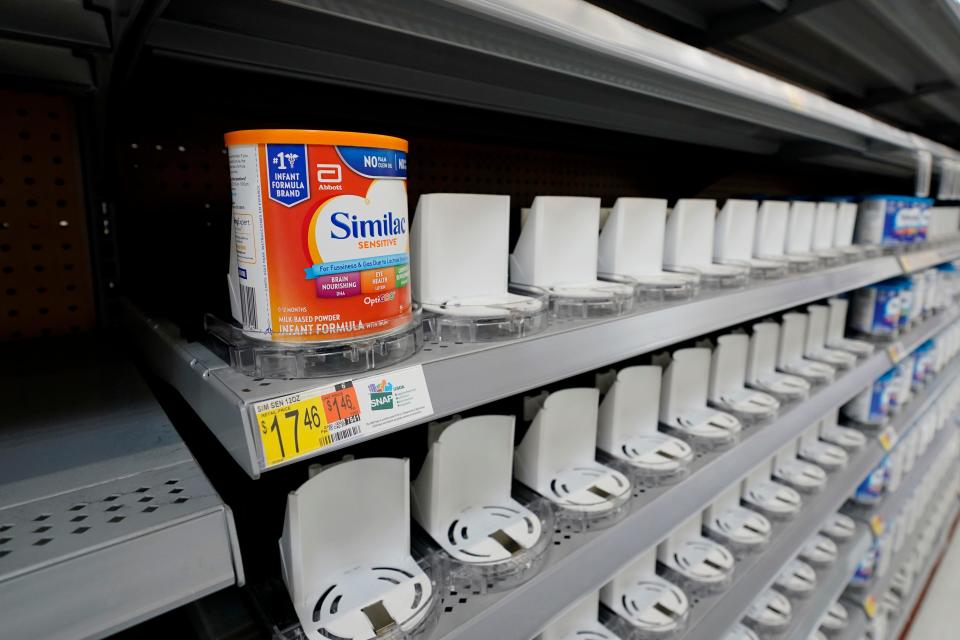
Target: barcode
[
  {"x": 337, "y": 436},
  {"x": 248, "y": 307}
]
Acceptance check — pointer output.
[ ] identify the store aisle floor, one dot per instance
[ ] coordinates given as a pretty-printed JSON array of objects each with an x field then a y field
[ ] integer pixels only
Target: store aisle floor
[{"x": 939, "y": 615}]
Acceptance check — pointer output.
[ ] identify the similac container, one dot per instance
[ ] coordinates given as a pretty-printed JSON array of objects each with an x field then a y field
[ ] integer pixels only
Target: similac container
[
  {"x": 872, "y": 405},
  {"x": 885, "y": 219},
  {"x": 875, "y": 310},
  {"x": 320, "y": 249}
]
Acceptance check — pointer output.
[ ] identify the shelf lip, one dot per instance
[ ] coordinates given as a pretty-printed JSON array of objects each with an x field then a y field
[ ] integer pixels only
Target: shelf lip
[
  {"x": 572, "y": 47},
  {"x": 585, "y": 569},
  {"x": 920, "y": 584},
  {"x": 223, "y": 397}
]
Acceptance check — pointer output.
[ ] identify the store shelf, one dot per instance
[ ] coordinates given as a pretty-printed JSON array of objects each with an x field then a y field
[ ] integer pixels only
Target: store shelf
[
  {"x": 583, "y": 561},
  {"x": 920, "y": 583},
  {"x": 713, "y": 616},
  {"x": 892, "y": 506},
  {"x": 568, "y": 61},
  {"x": 105, "y": 517},
  {"x": 830, "y": 585},
  {"x": 464, "y": 376}
]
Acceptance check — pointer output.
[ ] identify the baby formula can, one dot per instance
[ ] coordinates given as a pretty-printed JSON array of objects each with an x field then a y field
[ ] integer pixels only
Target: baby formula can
[{"x": 320, "y": 245}]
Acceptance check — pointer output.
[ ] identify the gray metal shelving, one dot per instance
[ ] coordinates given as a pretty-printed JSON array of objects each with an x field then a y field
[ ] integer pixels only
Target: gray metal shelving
[
  {"x": 467, "y": 375},
  {"x": 712, "y": 616},
  {"x": 724, "y": 610},
  {"x": 570, "y": 61},
  {"x": 889, "y": 510},
  {"x": 920, "y": 584},
  {"x": 583, "y": 561},
  {"x": 105, "y": 517}
]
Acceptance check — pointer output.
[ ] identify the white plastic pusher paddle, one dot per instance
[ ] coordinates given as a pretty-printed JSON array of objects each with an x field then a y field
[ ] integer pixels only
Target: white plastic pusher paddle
[
  {"x": 628, "y": 423},
  {"x": 462, "y": 494},
  {"x": 557, "y": 456},
  {"x": 345, "y": 552}
]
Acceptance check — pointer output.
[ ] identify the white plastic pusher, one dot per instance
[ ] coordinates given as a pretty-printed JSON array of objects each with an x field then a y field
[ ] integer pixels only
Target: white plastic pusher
[
  {"x": 843, "y": 230},
  {"x": 699, "y": 565},
  {"x": 770, "y": 239},
  {"x": 459, "y": 251},
  {"x": 762, "y": 364},
  {"x": 557, "y": 251},
  {"x": 735, "y": 525},
  {"x": 557, "y": 457},
  {"x": 683, "y": 401},
  {"x": 775, "y": 500},
  {"x": 790, "y": 359},
  {"x": 345, "y": 553},
  {"x": 462, "y": 495},
  {"x": 815, "y": 347},
  {"x": 837, "y": 326},
  {"x": 688, "y": 245},
  {"x": 823, "y": 454},
  {"x": 728, "y": 377},
  {"x": 803, "y": 476},
  {"x": 824, "y": 226},
  {"x": 580, "y": 622},
  {"x": 628, "y": 426},
  {"x": 799, "y": 237},
  {"x": 631, "y": 245},
  {"x": 734, "y": 240},
  {"x": 644, "y": 600}
]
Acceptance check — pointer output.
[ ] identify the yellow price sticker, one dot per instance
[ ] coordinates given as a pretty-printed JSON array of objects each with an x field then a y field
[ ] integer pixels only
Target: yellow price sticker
[
  {"x": 888, "y": 438},
  {"x": 294, "y": 426},
  {"x": 905, "y": 263},
  {"x": 870, "y": 606},
  {"x": 896, "y": 352},
  {"x": 876, "y": 523}
]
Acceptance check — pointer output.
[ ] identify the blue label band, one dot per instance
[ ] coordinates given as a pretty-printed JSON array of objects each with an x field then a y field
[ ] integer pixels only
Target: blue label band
[
  {"x": 359, "y": 264},
  {"x": 287, "y": 179},
  {"x": 374, "y": 163}
]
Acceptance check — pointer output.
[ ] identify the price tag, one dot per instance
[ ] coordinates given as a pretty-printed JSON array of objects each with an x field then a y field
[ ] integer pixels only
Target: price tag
[
  {"x": 888, "y": 438},
  {"x": 870, "y": 606},
  {"x": 298, "y": 424},
  {"x": 877, "y": 525},
  {"x": 896, "y": 352}
]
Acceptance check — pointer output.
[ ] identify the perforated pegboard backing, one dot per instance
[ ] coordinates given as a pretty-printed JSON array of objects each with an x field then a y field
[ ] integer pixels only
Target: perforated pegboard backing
[{"x": 45, "y": 276}]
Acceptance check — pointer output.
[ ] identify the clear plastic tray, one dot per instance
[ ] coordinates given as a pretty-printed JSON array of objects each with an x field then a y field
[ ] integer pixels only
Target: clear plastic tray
[
  {"x": 802, "y": 263},
  {"x": 707, "y": 429},
  {"x": 651, "y": 460},
  {"x": 770, "y": 614},
  {"x": 797, "y": 580},
  {"x": 424, "y": 611},
  {"x": 776, "y": 501},
  {"x": 663, "y": 286},
  {"x": 741, "y": 530},
  {"x": 651, "y": 609},
  {"x": 598, "y": 299},
  {"x": 523, "y": 312},
  {"x": 270, "y": 358},
  {"x": 689, "y": 570},
  {"x": 485, "y": 576},
  {"x": 717, "y": 276},
  {"x": 749, "y": 406}
]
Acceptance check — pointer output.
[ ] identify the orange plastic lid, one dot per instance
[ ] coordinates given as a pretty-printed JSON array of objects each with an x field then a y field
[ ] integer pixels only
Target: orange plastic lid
[{"x": 311, "y": 136}]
